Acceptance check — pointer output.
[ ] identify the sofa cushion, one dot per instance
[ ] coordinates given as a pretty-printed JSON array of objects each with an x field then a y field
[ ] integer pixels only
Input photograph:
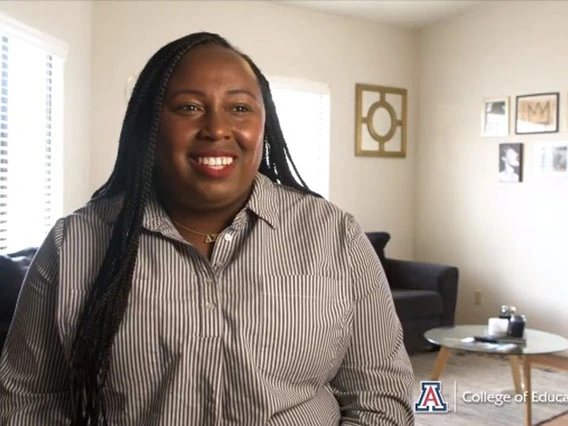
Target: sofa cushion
[
  {"x": 24, "y": 257},
  {"x": 414, "y": 304},
  {"x": 379, "y": 240},
  {"x": 11, "y": 277}
]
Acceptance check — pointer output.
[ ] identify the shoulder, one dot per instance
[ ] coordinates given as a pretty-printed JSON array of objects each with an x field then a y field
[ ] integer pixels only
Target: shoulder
[
  {"x": 77, "y": 243},
  {"x": 104, "y": 210},
  {"x": 315, "y": 213},
  {"x": 91, "y": 221}
]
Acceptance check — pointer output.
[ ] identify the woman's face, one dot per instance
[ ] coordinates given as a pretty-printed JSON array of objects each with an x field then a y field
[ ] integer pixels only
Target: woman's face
[{"x": 210, "y": 138}]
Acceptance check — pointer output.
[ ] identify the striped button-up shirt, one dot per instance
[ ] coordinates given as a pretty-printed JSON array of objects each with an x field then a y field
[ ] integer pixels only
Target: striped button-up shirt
[{"x": 289, "y": 323}]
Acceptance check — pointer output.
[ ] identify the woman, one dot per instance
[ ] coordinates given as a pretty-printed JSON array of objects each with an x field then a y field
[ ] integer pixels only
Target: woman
[{"x": 204, "y": 284}]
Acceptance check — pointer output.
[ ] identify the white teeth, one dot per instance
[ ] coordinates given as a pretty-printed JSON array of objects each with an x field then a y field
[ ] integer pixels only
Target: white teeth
[{"x": 215, "y": 162}]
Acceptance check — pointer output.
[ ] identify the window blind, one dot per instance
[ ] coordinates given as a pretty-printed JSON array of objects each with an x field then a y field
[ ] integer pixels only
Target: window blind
[
  {"x": 4, "y": 147},
  {"x": 30, "y": 139}
]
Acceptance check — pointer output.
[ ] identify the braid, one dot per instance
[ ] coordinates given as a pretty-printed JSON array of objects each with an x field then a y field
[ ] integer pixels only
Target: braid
[{"x": 132, "y": 179}]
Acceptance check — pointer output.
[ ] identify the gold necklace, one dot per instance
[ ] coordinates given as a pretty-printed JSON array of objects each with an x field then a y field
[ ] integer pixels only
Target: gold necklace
[{"x": 208, "y": 238}]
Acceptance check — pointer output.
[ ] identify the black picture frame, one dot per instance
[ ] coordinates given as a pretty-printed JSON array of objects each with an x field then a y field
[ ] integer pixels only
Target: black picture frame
[
  {"x": 537, "y": 113},
  {"x": 511, "y": 162}
]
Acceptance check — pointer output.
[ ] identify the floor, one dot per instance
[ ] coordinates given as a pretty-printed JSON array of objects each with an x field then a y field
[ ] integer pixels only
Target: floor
[
  {"x": 560, "y": 363},
  {"x": 560, "y": 421}
]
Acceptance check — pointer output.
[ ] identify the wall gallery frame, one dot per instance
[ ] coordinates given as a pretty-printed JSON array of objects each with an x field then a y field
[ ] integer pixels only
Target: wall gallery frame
[
  {"x": 495, "y": 117},
  {"x": 511, "y": 162},
  {"x": 551, "y": 159},
  {"x": 537, "y": 113}
]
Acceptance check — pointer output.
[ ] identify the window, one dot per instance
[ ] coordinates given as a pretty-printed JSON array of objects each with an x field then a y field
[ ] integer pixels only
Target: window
[
  {"x": 31, "y": 91},
  {"x": 303, "y": 110}
]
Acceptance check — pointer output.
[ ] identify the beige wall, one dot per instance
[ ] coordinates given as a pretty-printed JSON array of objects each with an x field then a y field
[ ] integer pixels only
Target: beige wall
[
  {"x": 69, "y": 22},
  {"x": 509, "y": 240},
  {"x": 283, "y": 41}
]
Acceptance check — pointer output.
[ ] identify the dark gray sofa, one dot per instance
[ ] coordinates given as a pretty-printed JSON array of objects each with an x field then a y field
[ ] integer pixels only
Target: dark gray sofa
[
  {"x": 13, "y": 268},
  {"x": 424, "y": 294}
]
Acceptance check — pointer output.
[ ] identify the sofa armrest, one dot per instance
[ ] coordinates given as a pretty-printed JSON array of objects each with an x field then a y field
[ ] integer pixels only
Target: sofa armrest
[{"x": 405, "y": 274}]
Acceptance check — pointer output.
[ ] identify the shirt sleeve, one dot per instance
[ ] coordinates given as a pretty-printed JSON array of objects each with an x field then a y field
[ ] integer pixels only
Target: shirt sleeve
[
  {"x": 373, "y": 384},
  {"x": 33, "y": 369}
]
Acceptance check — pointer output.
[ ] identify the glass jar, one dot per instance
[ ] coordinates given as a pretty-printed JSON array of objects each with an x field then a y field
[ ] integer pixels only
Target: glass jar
[{"x": 517, "y": 325}]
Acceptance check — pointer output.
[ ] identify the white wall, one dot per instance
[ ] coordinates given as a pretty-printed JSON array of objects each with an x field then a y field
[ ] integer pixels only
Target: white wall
[
  {"x": 283, "y": 41},
  {"x": 509, "y": 240},
  {"x": 69, "y": 22}
]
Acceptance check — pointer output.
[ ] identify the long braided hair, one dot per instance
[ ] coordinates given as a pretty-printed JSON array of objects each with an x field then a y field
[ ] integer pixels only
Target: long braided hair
[{"x": 132, "y": 178}]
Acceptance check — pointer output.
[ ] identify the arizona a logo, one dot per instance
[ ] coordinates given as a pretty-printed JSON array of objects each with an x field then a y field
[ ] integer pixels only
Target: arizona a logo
[{"x": 431, "y": 399}]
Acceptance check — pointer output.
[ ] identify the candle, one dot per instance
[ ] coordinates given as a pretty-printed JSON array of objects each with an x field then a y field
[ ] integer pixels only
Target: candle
[{"x": 498, "y": 327}]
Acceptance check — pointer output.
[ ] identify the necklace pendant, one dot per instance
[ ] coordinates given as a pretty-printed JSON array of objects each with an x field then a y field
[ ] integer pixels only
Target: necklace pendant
[{"x": 210, "y": 238}]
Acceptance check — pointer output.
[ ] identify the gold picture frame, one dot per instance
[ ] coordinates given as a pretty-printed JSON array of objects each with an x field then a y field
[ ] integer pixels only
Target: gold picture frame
[{"x": 376, "y": 135}]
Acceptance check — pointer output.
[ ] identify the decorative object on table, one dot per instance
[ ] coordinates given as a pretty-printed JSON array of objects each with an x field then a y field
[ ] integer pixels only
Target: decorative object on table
[
  {"x": 497, "y": 327},
  {"x": 495, "y": 117},
  {"x": 537, "y": 113},
  {"x": 506, "y": 311},
  {"x": 508, "y": 328},
  {"x": 517, "y": 325},
  {"x": 551, "y": 159},
  {"x": 511, "y": 162},
  {"x": 380, "y": 121}
]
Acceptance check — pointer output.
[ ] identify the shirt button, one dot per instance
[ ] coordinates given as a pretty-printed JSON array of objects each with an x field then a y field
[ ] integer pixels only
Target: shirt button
[
  {"x": 210, "y": 306},
  {"x": 229, "y": 237},
  {"x": 209, "y": 282}
]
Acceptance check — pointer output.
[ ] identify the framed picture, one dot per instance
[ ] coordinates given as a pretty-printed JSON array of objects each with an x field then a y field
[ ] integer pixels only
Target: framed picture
[
  {"x": 495, "y": 117},
  {"x": 537, "y": 113},
  {"x": 511, "y": 162},
  {"x": 551, "y": 159},
  {"x": 380, "y": 121}
]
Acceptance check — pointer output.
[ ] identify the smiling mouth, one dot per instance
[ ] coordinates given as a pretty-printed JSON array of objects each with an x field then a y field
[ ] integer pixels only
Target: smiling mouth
[{"x": 215, "y": 163}]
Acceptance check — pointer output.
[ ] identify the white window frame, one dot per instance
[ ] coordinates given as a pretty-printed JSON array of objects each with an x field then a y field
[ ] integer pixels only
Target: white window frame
[{"x": 58, "y": 49}]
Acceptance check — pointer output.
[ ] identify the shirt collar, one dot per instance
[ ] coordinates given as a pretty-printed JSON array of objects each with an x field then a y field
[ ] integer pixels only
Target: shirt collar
[{"x": 263, "y": 202}]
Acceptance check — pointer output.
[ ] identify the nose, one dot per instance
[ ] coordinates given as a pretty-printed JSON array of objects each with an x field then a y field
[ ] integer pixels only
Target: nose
[{"x": 216, "y": 126}]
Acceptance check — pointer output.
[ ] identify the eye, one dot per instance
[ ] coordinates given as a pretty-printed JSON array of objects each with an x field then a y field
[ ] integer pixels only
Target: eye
[
  {"x": 241, "y": 108},
  {"x": 188, "y": 108}
]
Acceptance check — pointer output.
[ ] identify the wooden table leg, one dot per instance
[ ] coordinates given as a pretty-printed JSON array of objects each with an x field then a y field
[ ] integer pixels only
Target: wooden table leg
[
  {"x": 528, "y": 389},
  {"x": 516, "y": 371},
  {"x": 440, "y": 362}
]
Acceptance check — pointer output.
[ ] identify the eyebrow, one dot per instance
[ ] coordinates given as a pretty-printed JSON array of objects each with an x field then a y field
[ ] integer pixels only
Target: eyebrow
[
  {"x": 241, "y": 91},
  {"x": 202, "y": 93}
]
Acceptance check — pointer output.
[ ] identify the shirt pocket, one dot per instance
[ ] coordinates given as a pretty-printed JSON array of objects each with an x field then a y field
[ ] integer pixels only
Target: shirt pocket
[{"x": 303, "y": 321}]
